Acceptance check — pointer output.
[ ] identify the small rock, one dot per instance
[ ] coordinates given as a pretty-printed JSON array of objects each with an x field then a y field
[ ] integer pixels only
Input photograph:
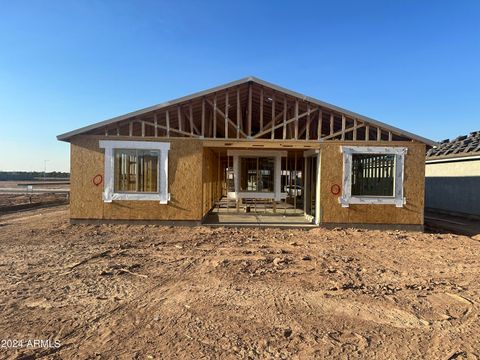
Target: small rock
[
  {"x": 277, "y": 261},
  {"x": 307, "y": 258},
  {"x": 287, "y": 332}
]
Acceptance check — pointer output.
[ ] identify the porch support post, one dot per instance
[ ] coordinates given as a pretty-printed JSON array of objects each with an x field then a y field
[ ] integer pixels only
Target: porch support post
[
  {"x": 306, "y": 192},
  {"x": 236, "y": 180},
  {"x": 278, "y": 176},
  {"x": 317, "y": 190}
]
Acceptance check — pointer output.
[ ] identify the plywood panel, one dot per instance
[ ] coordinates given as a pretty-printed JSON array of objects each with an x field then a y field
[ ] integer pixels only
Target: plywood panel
[
  {"x": 211, "y": 183},
  {"x": 184, "y": 181},
  {"x": 86, "y": 162},
  {"x": 332, "y": 171}
]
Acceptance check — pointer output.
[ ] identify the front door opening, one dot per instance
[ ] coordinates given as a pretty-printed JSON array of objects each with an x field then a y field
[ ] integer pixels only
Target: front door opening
[{"x": 262, "y": 182}]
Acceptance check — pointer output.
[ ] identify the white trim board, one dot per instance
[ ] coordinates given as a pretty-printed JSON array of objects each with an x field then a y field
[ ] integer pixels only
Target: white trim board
[
  {"x": 109, "y": 193},
  {"x": 398, "y": 200},
  {"x": 237, "y": 154}
]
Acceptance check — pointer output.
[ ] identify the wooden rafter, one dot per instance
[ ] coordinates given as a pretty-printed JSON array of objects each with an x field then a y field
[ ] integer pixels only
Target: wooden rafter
[
  {"x": 343, "y": 132},
  {"x": 252, "y": 111},
  {"x": 221, "y": 113},
  {"x": 295, "y": 118}
]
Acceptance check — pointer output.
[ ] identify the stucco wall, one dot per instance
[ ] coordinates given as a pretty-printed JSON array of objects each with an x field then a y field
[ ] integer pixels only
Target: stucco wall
[
  {"x": 184, "y": 183},
  {"x": 457, "y": 168},
  {"x": 332, "y": 172},
  {"x": 453, "y": 187}
]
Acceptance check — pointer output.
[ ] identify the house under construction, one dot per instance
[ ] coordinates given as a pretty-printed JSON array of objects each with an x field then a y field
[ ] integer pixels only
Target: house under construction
[{"x": 248, "y": 149}]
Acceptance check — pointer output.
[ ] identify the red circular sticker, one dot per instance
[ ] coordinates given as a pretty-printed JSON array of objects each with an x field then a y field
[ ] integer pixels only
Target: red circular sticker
[
  {"x": 335, "y": 189},
  {"x": 97, "y": 179}
]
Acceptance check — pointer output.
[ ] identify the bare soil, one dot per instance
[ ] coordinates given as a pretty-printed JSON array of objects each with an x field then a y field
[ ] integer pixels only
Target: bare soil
[
  {"x": 8, "y": 201},
  {"x": 174, "y": 292}
]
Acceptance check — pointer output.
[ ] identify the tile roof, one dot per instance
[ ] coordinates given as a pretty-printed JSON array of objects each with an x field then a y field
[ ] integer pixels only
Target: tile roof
[{"x": 465, "y": 145}]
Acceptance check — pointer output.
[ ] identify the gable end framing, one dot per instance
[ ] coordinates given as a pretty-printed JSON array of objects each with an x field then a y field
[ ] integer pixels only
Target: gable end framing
[{"x": 249, "y": 109}]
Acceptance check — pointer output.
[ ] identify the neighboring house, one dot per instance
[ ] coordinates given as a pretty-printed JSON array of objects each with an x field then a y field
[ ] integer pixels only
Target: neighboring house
[
  {"x": 453, "y": 176},
  {"x": 245, "y": 144}
]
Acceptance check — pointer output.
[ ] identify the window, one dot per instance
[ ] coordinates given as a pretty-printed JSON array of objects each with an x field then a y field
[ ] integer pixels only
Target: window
[
  {"x": 373, "y": 175},
  {"x": 135, "y": 170},
  {"x": 257, "y": 174}
]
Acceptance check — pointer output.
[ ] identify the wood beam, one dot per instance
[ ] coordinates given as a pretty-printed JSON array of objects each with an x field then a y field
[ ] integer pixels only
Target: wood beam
[
  {"x": 284, "y": 117},
  {"x": 190, "y": 112},
  {"x": 156, "y": 123},
  {"x": 296, "y": 120},
  {"x": 355, "y": 130},
  {"x": 319, "y": 125},
  {"x": 215, "y": 116},
  {"x": 172, "y": 130},
  {"x": 239, "y": 113},
  {"x": 273, "y": 116},
  {"x": 331, "y": 123},
  {"x": 167, "y": 114},
  {"x": 223, "y": 115},
  {"x": 191, "y": 122},
  {"x": 343, "y": 127},
  {"x": 179, "y": 115},
  {"x": 343, "y": 132},
  {"x": 274, "y": 120},
  {"x": 379, "y": 134},
  {"x": 226, "y": 114},
  {"x": 367, "y": 133},
  {"x": 261, "y": 109},
  {"x": 283, "y": 124},
  {"x": 203, "y": 117},
  {"x": 307, "y": 131},
  {"x": 249, "y": 124}
]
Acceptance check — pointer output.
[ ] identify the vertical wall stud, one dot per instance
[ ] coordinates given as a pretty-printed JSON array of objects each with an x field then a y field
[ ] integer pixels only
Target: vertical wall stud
[{"x": 226, "y": 114}]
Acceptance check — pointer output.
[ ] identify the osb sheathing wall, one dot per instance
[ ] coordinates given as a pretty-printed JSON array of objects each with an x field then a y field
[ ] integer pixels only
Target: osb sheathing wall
[
  {"x": 212, "y": 184},
  {"x": 414, "y": 180},
  {"x": 184, "y": 183}
]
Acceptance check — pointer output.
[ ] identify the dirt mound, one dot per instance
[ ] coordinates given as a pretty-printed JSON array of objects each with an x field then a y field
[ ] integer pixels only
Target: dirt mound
[{"x": 172, "y": 292}]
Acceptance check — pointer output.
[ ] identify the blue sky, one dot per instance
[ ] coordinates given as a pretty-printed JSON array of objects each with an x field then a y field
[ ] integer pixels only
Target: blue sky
[{"x": 66, "y": 64}]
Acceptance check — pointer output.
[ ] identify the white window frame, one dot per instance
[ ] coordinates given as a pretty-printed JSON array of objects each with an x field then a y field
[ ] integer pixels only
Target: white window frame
[
  {"x": 397, "y": 199},
  {"x": 277, "y": 194},
  {"x": 109, "y": 193}
]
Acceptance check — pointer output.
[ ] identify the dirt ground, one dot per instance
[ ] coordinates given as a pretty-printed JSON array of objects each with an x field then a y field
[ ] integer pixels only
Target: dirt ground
[
  {"x": 9, "y": 200},
  {"x": 148, "y": 292}
]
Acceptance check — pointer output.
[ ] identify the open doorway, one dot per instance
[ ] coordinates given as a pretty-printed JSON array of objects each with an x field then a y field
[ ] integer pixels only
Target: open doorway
[
  {"x": 311, "y": 186},
  {"x": 266, "y": 182}
]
